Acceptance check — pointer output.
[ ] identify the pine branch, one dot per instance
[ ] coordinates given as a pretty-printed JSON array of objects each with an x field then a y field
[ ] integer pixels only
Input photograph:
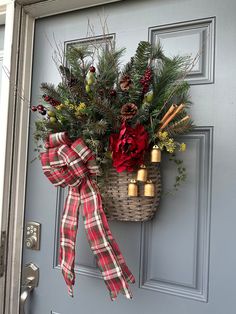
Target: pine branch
[
  {"x": 157, "y": 52},
  {"x": 78, "y": 52},
  {"x": 50, "y": 90},
  {"x": 99, "y": 127},
  {"x": 142, "y": 116},
  {"x": 43, "y": 128},
  {"x": 181, "y": 94},
  {"x": 108, "y": 67},
  {"x": 65, "y": 92},
  {"x": 180, "y": 129},
  {"x": 103, "y": 107},
  {"x": 93, "y": 144},
  {"x": 169, "y": 86},
  {"x": 141, "y": 58},
  {"x": 170, "y": 72},
  {"x": 140, "y": 62},
  {"x": 65, "y": 72},
  {"x": 75, "y": 57},
  {"x": 128, "y": 67}
]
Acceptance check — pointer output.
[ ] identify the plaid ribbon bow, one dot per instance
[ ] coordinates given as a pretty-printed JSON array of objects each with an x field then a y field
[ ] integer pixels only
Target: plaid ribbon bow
[{"x": 73, "y": 165}]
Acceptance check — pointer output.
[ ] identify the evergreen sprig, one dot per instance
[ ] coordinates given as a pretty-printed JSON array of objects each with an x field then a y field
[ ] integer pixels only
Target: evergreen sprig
[
  {"x": 79, "y": 58},
  {"x": 139, "y": 64},
  {"x": 181, "y": 128},
  {"x": 108, "y": 67},
  {"x": 166, "y": 84},
  {"x": 50, "y": 90}
]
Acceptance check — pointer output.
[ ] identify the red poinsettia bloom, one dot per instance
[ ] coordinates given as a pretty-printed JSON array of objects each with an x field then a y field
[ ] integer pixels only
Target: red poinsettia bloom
[{"x": 128, "y": 147}]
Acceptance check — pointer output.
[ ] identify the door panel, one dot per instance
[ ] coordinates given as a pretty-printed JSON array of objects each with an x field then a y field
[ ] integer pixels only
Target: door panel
[
  {"x": 183, "y": 260},
  {"x": 175, "y": 246}
]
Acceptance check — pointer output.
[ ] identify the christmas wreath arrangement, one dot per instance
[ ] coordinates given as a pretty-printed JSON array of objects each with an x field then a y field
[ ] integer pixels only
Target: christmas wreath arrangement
[{"x": 104, "y": 130}]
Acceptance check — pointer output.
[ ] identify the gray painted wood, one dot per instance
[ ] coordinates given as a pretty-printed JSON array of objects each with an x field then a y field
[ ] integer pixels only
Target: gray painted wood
[{"x": 183, "y": 260}]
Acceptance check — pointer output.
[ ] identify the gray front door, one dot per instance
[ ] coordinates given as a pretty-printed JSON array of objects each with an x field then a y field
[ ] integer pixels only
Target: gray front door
[{"x": 184, "y": 260}]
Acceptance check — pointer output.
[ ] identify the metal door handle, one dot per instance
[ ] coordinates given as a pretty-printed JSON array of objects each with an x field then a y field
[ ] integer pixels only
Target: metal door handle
[
  {"x": 24, "y": 296},
  {"x": 30, "y": 281}
]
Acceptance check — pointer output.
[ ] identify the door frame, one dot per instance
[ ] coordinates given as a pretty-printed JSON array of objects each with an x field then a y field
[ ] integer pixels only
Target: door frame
[
  {"x": 9, "y": 14},
  {"x": 20, "y": 43}
]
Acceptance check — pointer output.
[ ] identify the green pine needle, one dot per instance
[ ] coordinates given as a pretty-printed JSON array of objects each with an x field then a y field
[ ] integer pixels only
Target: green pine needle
[{"x": 50, "y": 90}]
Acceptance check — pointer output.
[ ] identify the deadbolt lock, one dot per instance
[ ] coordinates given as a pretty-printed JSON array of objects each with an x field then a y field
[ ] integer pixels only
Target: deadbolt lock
[{"x": 32, "y": 238}]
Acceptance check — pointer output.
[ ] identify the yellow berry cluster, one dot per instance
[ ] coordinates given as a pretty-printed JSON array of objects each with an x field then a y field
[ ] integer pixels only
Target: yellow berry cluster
[
  {"x": 169, "y": 144},
  {"x": 78, "y": 109},
  {"x": 60, "y": 107}
]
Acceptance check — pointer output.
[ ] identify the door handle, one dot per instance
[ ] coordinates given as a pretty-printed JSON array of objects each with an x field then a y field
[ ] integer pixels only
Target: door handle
[
  {"x": 25, "y": 292},
  {"x": 29, "y": 282}
]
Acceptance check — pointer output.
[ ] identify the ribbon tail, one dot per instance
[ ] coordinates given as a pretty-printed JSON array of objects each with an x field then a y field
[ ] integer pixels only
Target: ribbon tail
[
  {"x": 69, "y": 226},
  {"x": 127, "y": 273},
  {"x": 114, "y": 270}
]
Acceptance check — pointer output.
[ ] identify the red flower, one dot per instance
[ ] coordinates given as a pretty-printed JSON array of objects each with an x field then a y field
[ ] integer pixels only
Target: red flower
[{"x": 128, "y": 147}]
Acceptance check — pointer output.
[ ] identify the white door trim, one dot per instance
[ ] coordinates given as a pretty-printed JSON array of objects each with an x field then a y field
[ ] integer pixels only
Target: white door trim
[
  {"x": 16, "y": 132},
  {"x": 8, "y": 14},
  {"x": 19, "y": 164},
  {"x": 42, "y": 9}
]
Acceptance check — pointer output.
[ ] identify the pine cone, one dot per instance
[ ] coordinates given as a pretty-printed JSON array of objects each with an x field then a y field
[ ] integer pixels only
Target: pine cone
[
  {"x": 128, "y": 111},
  {"x": 125, "y": 83}
]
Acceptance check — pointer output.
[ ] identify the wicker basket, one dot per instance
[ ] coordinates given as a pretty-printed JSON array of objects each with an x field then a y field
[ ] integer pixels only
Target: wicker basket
[{"x": 119, "y": 206}]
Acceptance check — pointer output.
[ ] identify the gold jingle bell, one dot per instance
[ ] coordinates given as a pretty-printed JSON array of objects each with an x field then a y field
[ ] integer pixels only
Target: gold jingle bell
[
  {"x": 142, "y": 173},
  {"x": 156, "y": 154},
  {"x": 133, "y": 188},
  {"x": 149, "y": 189}
]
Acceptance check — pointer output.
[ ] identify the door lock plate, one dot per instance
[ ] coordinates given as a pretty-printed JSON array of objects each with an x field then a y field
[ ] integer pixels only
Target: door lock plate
[
  {"x": 32, "y": 235},
  {"x": 30, "y": 275},
  {"x": 30, "y": 281}
]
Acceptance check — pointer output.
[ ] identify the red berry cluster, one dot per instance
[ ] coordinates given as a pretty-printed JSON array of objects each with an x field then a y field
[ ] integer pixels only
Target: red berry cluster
[
  {"x": 113, "y": 92},
  {"x": 51, "y": 100},
  {"x": 40, "y": 108},
  {"x": 92, "y": 69},
  {"x": 107, "y": 92},
  {"x": 146, "y": 79}
]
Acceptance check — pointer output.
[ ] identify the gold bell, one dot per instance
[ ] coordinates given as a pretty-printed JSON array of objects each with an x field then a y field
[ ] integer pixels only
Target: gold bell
[
  {"x": 133, "y": 188},
  {"x": 156, "y": 154},
  {"x": 142, "y": 173},
  {"x": 149, "y": 189}
]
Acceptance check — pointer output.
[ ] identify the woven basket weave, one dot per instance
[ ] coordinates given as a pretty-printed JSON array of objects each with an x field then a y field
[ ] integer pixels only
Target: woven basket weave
[{"x": 119, "y": 206}]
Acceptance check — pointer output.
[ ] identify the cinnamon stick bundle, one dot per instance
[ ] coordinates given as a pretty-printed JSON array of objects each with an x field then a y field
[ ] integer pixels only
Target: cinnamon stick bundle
[
  {"x": 181, "y": 121},
  {"x": 171, "y": 117},
  {"x": 168, "y": 113}
]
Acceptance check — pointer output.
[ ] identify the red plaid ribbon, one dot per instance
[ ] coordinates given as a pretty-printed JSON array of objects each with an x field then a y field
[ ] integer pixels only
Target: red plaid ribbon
[{"x": 73, "y": 165}]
